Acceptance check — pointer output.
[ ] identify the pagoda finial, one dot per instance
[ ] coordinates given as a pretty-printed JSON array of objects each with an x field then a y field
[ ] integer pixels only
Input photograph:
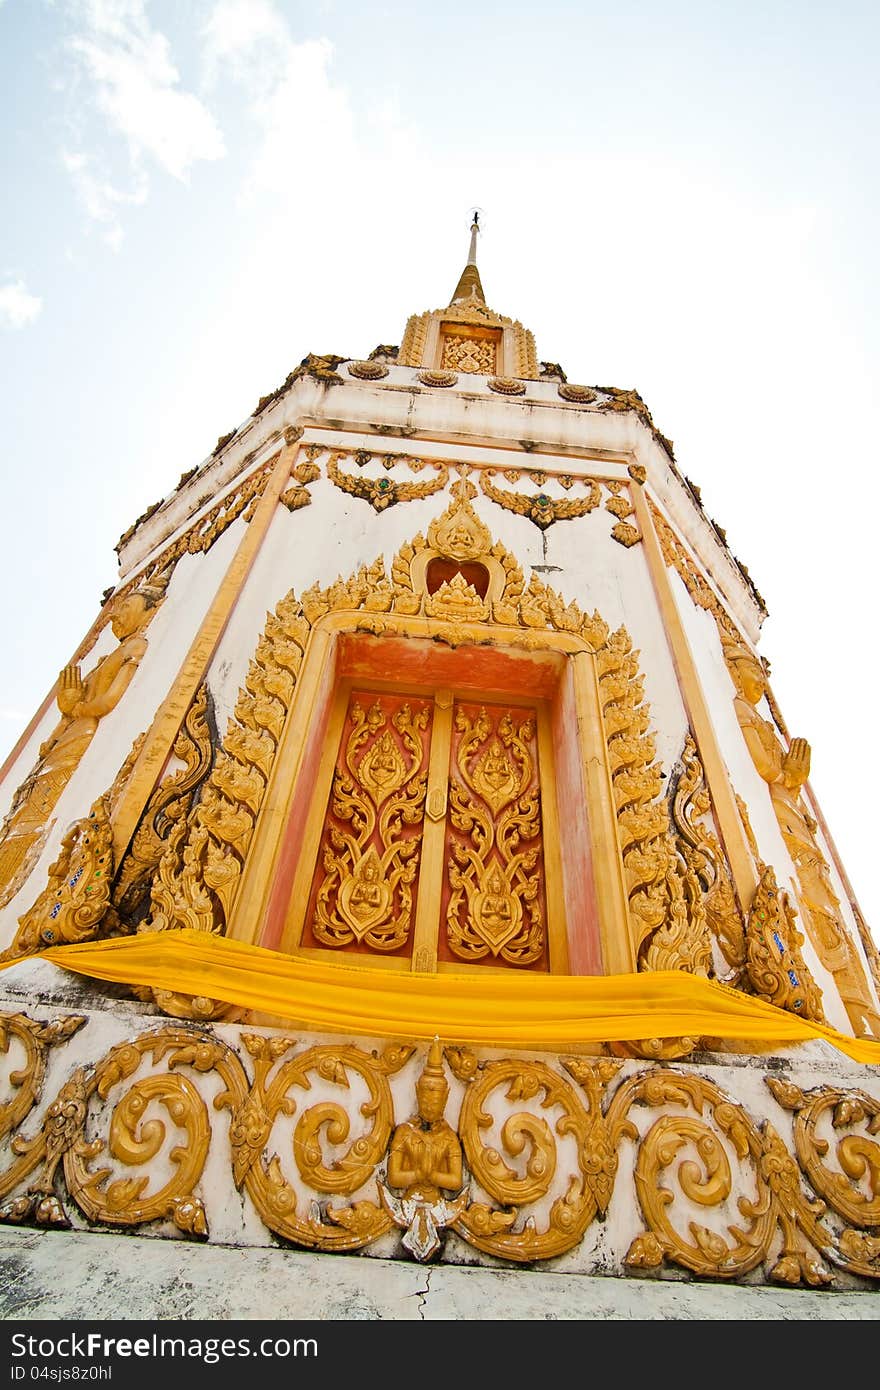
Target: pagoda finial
[{"x": 469, "y": 285}]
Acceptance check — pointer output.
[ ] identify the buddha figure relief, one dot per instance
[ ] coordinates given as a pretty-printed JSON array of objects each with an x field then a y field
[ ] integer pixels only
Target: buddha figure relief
[
  {"x": 785, "y": 770},
  {"x": 82, "y": 701},
  {"x": 425, "y": 1161}
]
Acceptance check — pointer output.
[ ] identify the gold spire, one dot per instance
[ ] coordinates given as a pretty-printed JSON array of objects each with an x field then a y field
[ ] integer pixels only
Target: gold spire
[{"x": 469, "y": 284}]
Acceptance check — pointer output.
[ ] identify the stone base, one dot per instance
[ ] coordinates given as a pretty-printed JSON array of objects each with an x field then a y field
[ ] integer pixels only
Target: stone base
[{"x": 77, "y": 1275}]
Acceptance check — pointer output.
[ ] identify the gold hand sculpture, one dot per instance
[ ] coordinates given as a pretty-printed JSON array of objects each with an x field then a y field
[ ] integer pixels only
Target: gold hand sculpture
[
  {"x": 785, "y": 770},
  {"x": 82, "y": 701}
]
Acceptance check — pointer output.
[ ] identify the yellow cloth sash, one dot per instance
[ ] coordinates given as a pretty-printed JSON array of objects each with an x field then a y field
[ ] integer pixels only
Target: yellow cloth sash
[{"x": 553, "y": 1012}]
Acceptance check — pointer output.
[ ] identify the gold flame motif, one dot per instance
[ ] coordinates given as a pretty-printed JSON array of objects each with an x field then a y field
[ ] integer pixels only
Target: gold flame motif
[
  {"x": 495, "y": 869},
  {"x": 371, "y": 846}
]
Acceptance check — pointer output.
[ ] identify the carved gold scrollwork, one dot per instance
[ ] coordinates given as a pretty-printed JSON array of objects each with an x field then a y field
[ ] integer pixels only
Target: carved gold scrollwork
[
  {"x": 539, "y": 507},
  {"x": 72, "y": 905},
  {"x": 829, "y": 1121},
  {"x": 168, "y": 805},
  {"x": 198, "y": 874},
  {"x": 274, "y": 1195},
  {"x": 369, "y": 864},
  {"x": 133, "y": 1139},
  {"x": 642, "y": 816},
  {"x": 26, "y": 1085},
  {"x": 383, "y": 492},
  {"x": 138, "y": 1133},
  {"x": 589, "y": 1147},
  {"x": 130, "y": 1135},
  {"x": 696, "y": 1153},
  {"x": 464, "y": 354},
  {"x": 495, "y": 867},
  {"x": 776, "y": 968},
  {"x": 705, "y": 863}
]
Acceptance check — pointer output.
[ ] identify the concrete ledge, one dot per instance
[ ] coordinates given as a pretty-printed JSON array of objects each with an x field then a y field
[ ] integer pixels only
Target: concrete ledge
[{"x": 86, "y": 1276}]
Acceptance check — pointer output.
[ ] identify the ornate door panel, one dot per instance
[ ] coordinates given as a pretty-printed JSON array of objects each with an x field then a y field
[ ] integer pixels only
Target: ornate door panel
[
  {"x": 431, "y": 845},
  {"x": 494, "y": 905},
  {"x": 364, "y": 887}
]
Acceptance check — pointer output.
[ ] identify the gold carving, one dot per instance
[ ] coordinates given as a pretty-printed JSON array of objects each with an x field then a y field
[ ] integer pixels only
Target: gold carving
[
  {"x": 75, "y": 899},
  {"x": 26, "y": 1081},
  {"x": 425, "y": 1161},
  {"x": 642, "y": 815},
  {"x": 579, "y": 395},
  {"x": 776, "y": 968},
  {"x": 350, "y": 1071},
  {"x": 506, "y": 385},
  {"x": 589, "y": 1147},
  {"x": 437, "y": 378},
  {"x": 470, "y": 313},
  {"x": 540, "y": 508},
  {"x": 496, "y": 867},
  {"x": 785, "y": 771},
  {"x": 367, "y": 371},
  {"x": 465, "y": 354},
  {"x": 368, "y": 863},
  {"x": 701, "y": 594},
  {"x": 168, "y": 805},
  {"x": 383, "y": 492},
  {"x": 199, "y": 872},
  {"x": 618, "y": 399},
  {"x": 625, "y": 534},
  {"x": 686, "y": 1150},
  {"x": 412, "y": 347},
  {"x": 114, "y": 1199},
  {"x": 128, "y": 1136},
  {"x": 708, "y": 873},
  {"x": 843, "y": 1124},
  {"x": 459, "y": 533},
  {"x": 457, "y": 601},
  {"x": 83, "y": 702}
]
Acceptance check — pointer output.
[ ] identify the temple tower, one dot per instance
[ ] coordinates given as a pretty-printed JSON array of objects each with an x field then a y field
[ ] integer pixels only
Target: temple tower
[{"x": 416, "y": 836}]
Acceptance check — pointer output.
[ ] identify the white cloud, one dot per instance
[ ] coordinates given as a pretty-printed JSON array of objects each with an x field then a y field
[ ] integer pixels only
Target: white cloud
[
  {"x": 134, "y": 85},
  {"x": 304, "y": 121},
  {"x": 18, "y": 306},
  {"x": 137, "y": 87},
  {"x": 101, "y": 199}
]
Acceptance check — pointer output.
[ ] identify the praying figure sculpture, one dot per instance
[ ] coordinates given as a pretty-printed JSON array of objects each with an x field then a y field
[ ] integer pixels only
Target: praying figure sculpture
[
  {"x": 425, "y": 1161},
  {"x": 785, "y": 770},
  {"x": 83, "y": 701}
]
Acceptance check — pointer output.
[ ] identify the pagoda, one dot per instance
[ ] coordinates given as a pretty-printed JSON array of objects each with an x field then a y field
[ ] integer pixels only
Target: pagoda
[{"x": 412, "y": 861}]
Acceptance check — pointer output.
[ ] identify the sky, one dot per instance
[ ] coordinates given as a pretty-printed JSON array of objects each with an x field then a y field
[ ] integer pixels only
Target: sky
[{"x": 680, "y": 198}]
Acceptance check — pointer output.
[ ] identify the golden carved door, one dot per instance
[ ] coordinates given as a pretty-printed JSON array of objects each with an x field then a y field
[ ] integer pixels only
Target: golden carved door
[{"x": 431, "y": 838}]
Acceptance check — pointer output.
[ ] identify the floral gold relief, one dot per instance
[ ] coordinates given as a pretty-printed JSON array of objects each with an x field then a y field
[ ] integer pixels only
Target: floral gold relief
[
  {"x": 494, "y": 846},
  {"x": 776, "y": 968},
  {"x": 461, "y": 353},
  {"x": 519, "y": 1160},
  {"x": 77, "y": 894},
  {"x": 363, "y": 891}
]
